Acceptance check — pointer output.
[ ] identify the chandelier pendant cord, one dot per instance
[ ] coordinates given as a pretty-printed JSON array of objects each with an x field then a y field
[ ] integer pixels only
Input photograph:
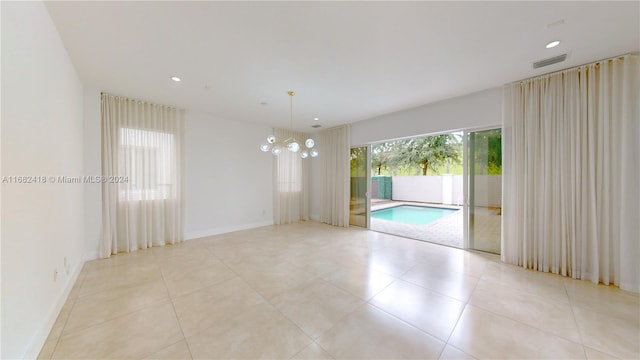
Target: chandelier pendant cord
[
  {"x": 291, "y": 137},
  {"x": 291, "y": 144},
  {"x": 291, "y": 93}
]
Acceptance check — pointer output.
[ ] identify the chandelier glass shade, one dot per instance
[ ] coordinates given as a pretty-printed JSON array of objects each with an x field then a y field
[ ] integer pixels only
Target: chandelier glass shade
[{"x": 290, "y": 144}]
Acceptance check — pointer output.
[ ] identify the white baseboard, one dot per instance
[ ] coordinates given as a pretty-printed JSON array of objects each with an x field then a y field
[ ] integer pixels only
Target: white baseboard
[
  {"x": 90, "y": 255},
  {"x": 43, "y": 333},
  {"x": 225, "y": 229},
  {"x": 630, "y": 287}
]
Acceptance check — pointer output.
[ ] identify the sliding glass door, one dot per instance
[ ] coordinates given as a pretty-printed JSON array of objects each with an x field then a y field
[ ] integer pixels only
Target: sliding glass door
[
  {"x": 359, "y": 202},
  {"x": 484, "y": 171}
]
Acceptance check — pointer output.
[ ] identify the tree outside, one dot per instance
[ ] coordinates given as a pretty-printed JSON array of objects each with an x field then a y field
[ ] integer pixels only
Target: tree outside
[
  {"x": 431, "y": 155},
  {"x": 487, "y": 152}
]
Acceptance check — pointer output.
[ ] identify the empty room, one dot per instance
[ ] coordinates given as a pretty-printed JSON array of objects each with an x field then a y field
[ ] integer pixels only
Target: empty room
[{"x": 320, "y": 180}]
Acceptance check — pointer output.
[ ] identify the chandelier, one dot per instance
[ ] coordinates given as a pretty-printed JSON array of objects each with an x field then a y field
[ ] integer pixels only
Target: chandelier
[{"x": 291, "y": 144}]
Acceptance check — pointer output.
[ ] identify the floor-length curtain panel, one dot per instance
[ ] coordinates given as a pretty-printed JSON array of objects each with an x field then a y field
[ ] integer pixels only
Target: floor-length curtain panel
[
  {"x": 142, "y": 188},
  {"x": 291, "y": 182},
  {"x": 334, "y": 147},
  {"x": 570, "y": 170}
]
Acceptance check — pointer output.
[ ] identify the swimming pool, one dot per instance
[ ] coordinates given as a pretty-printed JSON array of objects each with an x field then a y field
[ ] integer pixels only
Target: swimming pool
[{"x": 410, "y": 214}]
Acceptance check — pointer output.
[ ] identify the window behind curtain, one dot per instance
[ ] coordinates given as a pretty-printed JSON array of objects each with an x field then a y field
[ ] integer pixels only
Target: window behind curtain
[
  {"x": 148, "y": 157},
  {"x": 143, "y": 143},
  {"x": 291, "y": 179}
]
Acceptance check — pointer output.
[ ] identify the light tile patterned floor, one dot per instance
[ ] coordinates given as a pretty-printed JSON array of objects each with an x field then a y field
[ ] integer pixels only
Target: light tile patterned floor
[{"x": 309, "y": 290}]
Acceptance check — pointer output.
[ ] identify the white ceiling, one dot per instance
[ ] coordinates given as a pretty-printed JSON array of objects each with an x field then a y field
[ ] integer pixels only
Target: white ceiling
[{"x": 347, "y": 61}]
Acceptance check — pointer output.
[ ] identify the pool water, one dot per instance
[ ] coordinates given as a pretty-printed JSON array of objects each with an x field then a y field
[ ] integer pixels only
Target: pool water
[{"x": 416, "y": 215}]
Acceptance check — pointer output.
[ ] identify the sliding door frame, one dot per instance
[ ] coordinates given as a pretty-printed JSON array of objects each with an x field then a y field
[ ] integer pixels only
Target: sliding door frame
[
  {"x": 466, "y": 183},
  {"x": 368, "y": 184}
]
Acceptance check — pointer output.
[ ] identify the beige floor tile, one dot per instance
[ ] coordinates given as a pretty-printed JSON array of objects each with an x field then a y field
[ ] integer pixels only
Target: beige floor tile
[
  {"x": 608, "y": 334},
  {"x": 360, "y": 280},
  {"x": 256, "y": 263},
  {"x": 533, "y": 282},
  {"x": 316, "y": 265},
  {"x": 543, "y": 313},
  {"x": 134, "y": 335},
  {"x": 597, "y": 355},
  {"x": 135, "y": 258},
  {"x": 234, "y": 251},
  {"x": 313, "y": 352},
  {"x": 177, "y": 351},
  {"x": 403, "y": 249},
  {"x": 106, "y": 305},
  {"x": 429, "y": 311},
  {"x": 192, "y": 279},
  {"x": 47, "y": 349},
  {"x": 272, "y": 281},
  {"x": 120, "y": 275},
  {"x": 118, "y": 308},
  {"x": 370, "y": 333},
  {"x": 486, "y": 335},
  {"x": 61, "y": 321},
  {"x": 468, "y": 263},
  {"x": 453, "y": 353},
  {"x": 316, "y": 307},
  {"x": 174, "y": 265},
  {"x": 608, "y": 300},
  {"x": 388, "y": 264},
  {"x": 75, "y": 290},
  {"x": 259, "y": 333},
  {"x": 214, "y": 304},
  {"x": 454, "y": 284},
  {"x": 346, "y": 254}
]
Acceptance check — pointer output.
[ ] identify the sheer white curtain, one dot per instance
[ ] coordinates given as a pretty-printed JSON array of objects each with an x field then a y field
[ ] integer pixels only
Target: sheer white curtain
[
  {"x": 290, "y": 182},
  {"x": 334, "y": 147},
  {"x": 571, "y": 173},
  {"x": 142, "y": 192}
]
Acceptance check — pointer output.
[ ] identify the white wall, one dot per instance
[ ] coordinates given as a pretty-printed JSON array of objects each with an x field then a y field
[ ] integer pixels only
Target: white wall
[
  {"x": 474, "y": 110},
  {"x": 41, "y": 136},
  {"x": 92, "y": 166},
  {"x": 229, "y": 180}
]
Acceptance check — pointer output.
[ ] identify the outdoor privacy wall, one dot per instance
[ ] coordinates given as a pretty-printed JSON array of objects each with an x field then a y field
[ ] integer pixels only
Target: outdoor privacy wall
[{"x": 446, "y": 189}]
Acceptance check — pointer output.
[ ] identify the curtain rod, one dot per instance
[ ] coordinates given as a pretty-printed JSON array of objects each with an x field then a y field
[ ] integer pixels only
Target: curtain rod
[
  {"x": 596, "y": 63},
  {"x": 138, "y": 101}
]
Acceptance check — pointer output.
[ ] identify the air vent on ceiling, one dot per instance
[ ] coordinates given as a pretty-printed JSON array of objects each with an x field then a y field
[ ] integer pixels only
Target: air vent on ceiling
[
  {"x": 316, "y": 126},
  {"x": 549, "y": 61}
]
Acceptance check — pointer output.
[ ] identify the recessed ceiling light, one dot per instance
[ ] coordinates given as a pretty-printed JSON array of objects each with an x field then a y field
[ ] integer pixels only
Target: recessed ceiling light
[
  {"x": 176, "y": 79},
  {"x": 552, "y": 44},
  {"x": 316, "y": 119},
  {"x": 316, "y": 126}
]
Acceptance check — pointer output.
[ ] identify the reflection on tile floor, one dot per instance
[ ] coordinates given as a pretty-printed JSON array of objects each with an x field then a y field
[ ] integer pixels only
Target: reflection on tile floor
[{"x": 309, "y": 290}]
